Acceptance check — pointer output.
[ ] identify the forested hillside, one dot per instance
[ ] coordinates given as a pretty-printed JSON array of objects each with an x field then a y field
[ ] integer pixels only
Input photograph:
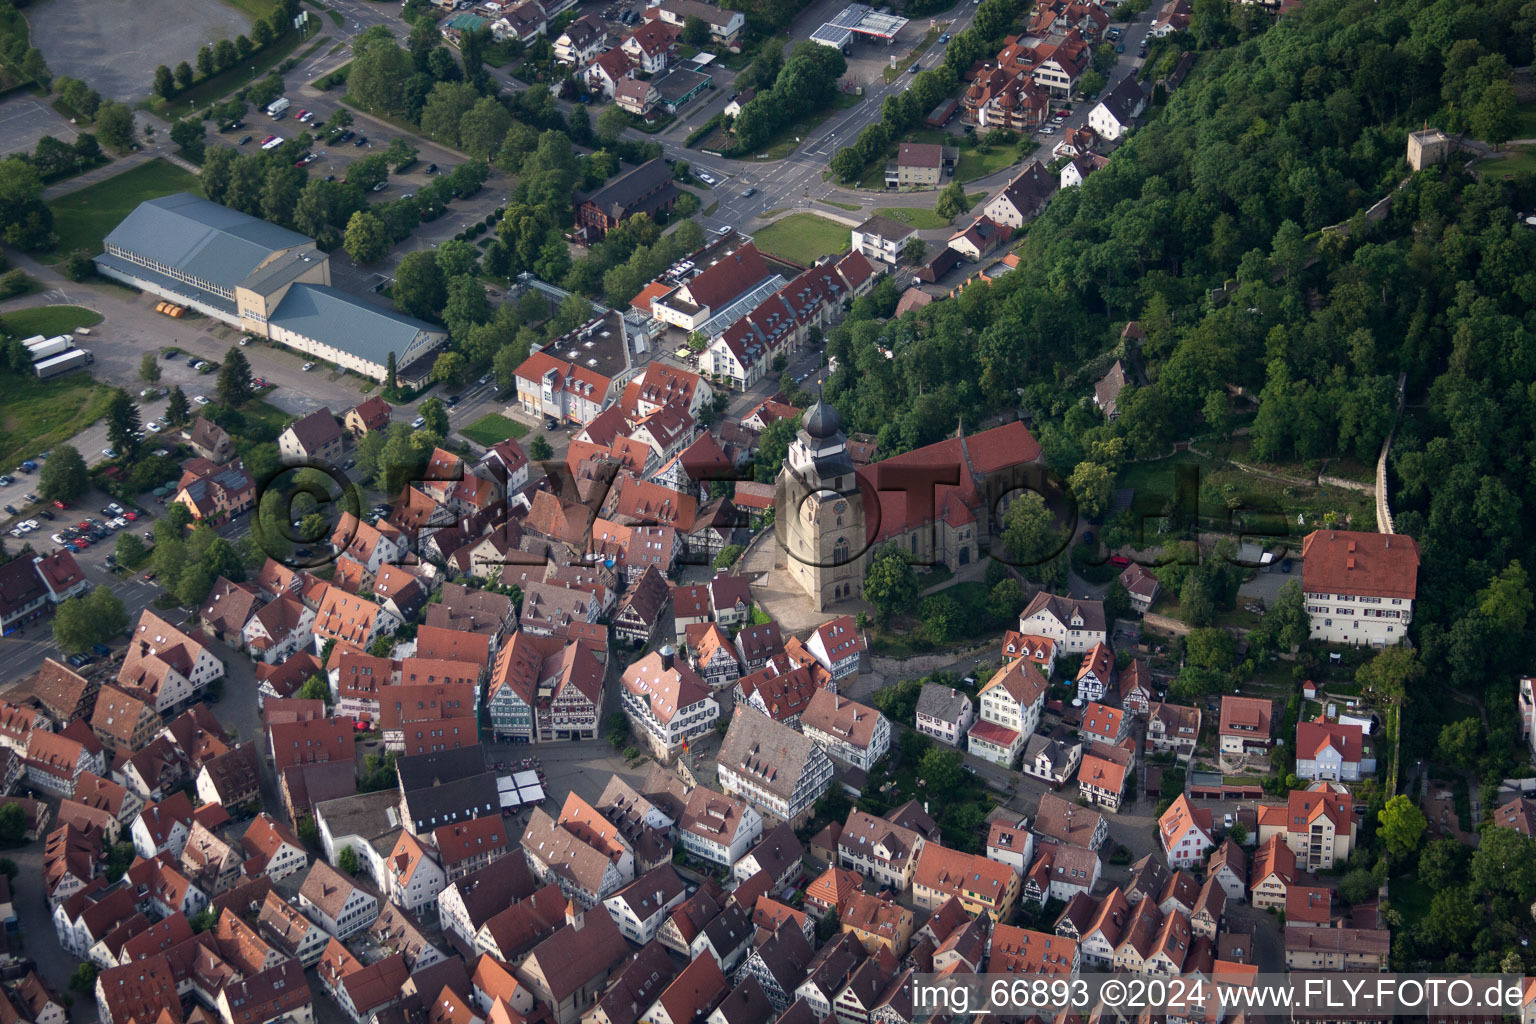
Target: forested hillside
[{"x": 1272, "y": 139}]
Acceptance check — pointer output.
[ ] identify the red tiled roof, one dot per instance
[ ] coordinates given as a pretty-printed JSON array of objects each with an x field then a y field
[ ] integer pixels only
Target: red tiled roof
[
  {"x": 1313, "y": 737},
  {"x": 1369, "y": 564}
]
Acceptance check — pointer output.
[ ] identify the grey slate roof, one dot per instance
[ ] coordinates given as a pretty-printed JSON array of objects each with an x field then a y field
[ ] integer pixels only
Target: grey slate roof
[
  {"x": 1122, "y": 100},
  {"x": 885, "y": 227},
  {"x": 942, "y": 702},
  {"x": 200, "y": 238},
  {"x": 334, "y": 318},
  {"x": 772, "y": 755},
  {"x": 285, "y": 268}
]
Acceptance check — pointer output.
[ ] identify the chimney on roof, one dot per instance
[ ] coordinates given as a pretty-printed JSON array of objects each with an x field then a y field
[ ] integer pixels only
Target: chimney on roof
[{"x": 667, "y": 653}]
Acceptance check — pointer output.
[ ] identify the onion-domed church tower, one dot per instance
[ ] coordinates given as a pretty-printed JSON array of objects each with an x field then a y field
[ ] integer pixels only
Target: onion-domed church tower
[{"x": 820, "y": 512}]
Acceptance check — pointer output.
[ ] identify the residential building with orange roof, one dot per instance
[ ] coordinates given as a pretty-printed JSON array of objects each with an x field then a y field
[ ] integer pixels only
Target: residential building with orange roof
[
  {"x": 830, "y": 892},
  {"x": 166, "y": 663},
  {"x": 1274, "y": 872},
  {"x": 1103, "y": 724},
  {"x": 1318, "y": 824},
  {"x": 1101, "y": 775},
  {"x": 278, "y": 630},
  {"x": 716, "y": 828},
  {"x": 471, "y": 845},
  {"x": 272, "y": 849},
  {"x": 667, "y": 702},
  {"x": 1096, "y": 675},
  {"x": 1038, "y": 649},
  {"x": 1332, "y": 751},
  {"x": 878, "y": 923},
  {"x": 414, "y": 875},
  {"x": 853, "y": 733},
  {"x": 1245, "y": 724},
  {"x": 1359, "y": 587},
  {"x": 588, "y": 864},
  {"x": 712, "y": 655},
  {"x": 1011, "y": 702},
  {"x": 121, "y": 721},
  {"x": 54, "y": 762},
  {"x": 1172, "y": 728},
  {"x": 777, "y": 690},
  {"x": 1185, "y": 832},
  {"x": 839, "y": 646},
  {"x": 695, "y": 992},
  {"x": 567, "y": 390},
  {"x": 142, "y": 992},
  {"x": 981, "y": 885},
  {"x": 347, "y": 618},
  {"x": 1017, "y": 950}
]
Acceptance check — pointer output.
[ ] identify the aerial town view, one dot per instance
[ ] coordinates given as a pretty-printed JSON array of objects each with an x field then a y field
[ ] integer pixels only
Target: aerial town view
[{"x": 765, "y": 511}]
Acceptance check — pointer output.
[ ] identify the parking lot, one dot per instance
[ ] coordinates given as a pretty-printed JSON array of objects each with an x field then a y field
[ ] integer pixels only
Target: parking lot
[
  {"x": 24, "y": 119},
  {"x": 115, "y": 48}
]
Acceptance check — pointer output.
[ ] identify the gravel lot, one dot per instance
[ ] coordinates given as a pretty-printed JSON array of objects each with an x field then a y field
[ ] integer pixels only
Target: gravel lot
[{"x": 115, "y": 48}]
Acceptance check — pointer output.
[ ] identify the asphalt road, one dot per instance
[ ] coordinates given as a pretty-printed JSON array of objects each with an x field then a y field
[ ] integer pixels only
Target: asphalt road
[{"x": 796, "y": 181}]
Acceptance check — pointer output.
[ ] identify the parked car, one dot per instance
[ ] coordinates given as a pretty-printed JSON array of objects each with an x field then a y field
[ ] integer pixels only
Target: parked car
[
  {"x": 243, "y": 140},
  {"x": 418, "y": 422},
  {"x": 431, "y": 168},
  {"x": 28, "y": 466},
  {"x": 451, "y": 401},
  {"x": 308, "y": 367},
  {"x": 360, "y": 141},
  {"x": 115, "y": 508},
  {"x": 381, "y": 186},
  {"x": 109, "y": 453},
  {"x": 101, "y": 650}
]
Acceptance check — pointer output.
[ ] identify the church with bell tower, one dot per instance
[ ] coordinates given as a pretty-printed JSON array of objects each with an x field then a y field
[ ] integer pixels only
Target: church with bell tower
[
  {"x": 938, "y": 505},
  {"x": 820, "y": 511}
]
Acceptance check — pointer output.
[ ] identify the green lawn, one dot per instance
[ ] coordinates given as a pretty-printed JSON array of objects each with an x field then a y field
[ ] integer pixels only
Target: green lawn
[
  {"x": 1521, "y": 160},
  {"x": 850, "y": 207},
  {"x": 81, "y": 219},
  {"x": 802, "y": 238},
  {"x": 917, "y": 217},
  {"x": 493, "y": 428},
  {"x": 39, "y": 414},
  {"x": 47, "y": 320},
  {"x": 975, "y": 164}
]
